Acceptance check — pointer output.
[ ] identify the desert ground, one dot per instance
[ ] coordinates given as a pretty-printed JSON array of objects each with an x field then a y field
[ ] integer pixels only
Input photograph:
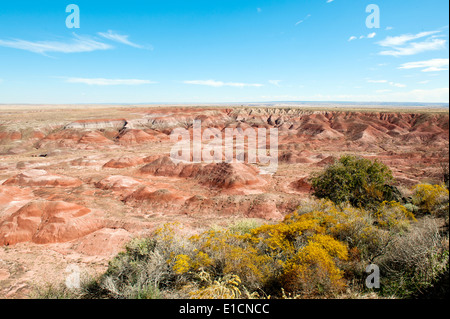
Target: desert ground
[{"x": 78, "y": 182}]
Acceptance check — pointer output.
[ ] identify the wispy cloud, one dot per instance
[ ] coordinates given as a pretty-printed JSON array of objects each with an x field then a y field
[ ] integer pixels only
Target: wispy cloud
[
  {"x": 214, "y": 83},
  {"x": 111, "y": 35},
  {"x": 377, "y": 81},
  {"x": 399, "y": 85},
  {"x": 369, "y": 36},
  {"x": 402, "y": 46},
  {"x": 303, "y": 20},
  {"x": 432, "y": 65},
  {"x": 75, "y": 45},
  {"x": 275, "y": 82},
  {"x": 404, "y": 38},
  {"x": 107, "y": 82},
  {"x": 329, "y": 1}
]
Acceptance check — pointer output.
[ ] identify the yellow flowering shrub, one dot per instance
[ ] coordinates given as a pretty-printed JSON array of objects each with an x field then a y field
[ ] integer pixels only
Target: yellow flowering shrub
[
  {"x": 182, "y": 264},
  {"x": 313, "y": 269},
  {"x": 393, "y": 215},
  {"x": 222, "y": 288},
  {"x": 431, "y": 199}
]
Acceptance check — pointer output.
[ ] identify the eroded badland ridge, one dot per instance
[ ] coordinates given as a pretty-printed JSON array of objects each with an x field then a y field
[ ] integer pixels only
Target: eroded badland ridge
[{"x": 77, "y": 183}]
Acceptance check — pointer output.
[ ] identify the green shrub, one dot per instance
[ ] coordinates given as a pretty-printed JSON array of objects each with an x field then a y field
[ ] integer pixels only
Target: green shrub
[{"x": 359, "y": 181}]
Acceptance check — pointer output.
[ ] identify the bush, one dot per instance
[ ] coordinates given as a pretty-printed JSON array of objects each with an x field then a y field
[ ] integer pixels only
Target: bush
[
  {"x": 318, "y": 251},
  {"x": 431, "y": 199},
  {"x": 359, "y": 181},
  {"x": 414, "y": 261}
]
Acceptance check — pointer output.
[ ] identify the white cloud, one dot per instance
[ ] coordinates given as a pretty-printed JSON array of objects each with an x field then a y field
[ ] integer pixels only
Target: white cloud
[
  {"x": 403, "y": 39},
  {"x": 432, "y": 65},
  {"x": 399, "y": 85},
  {"x": 214, "y": 83},
  {"x": 76, "y": 45},
  {"x": 389, "y": 28},
  {"x": 415, "y": 48},
  {"x": 303, "y": 20},
  {"x": 105, "y": 82},
  {"x": 377, "y": 81},
  {"x": 369, "y": 36},
  {"x": 402, "y": 45},
  {"x": 111, "y": 35},
  {"x": 424, "y": 82},
  {"x": 329, "y": 1},
  {"x": 275, "y": 82}
]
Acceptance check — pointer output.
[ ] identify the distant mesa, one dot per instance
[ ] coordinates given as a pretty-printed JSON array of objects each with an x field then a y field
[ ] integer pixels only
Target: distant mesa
[{"x": 97, "y": 124}]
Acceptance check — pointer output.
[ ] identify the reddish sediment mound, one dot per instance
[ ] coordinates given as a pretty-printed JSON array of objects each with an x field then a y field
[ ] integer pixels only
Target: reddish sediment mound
[
  {"x": 221, "y": 175},
  {"x": 39, "y": 177},
  {"x": 292, "y": 158},
  {"x": 117, "y": 182},
  {"x": 162, "y": 166},
  {"x": 85, "y": 162},
  {"x": 10, "y": 136},
  {"x": 94, "y": 137},
  {"x": 44, "y": 222},
  {"x": 229, "y": 175},
  {"x": 147, "y": 198},
  {"x": 75, "y": 138},
  {"x": 12, "y": 198},
  {"x": 124, "y": 162},
  {"x": 264, "y": 206},
  {"x": 326, "y": 161},
  {"x": 301, "y": 185},
  {"x": 149, "y": 194},
  {"x": 134, "y": 136}
]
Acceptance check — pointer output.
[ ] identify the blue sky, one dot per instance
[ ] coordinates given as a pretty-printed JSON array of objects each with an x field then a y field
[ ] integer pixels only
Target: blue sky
[{"x": 223, "y": 51}]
